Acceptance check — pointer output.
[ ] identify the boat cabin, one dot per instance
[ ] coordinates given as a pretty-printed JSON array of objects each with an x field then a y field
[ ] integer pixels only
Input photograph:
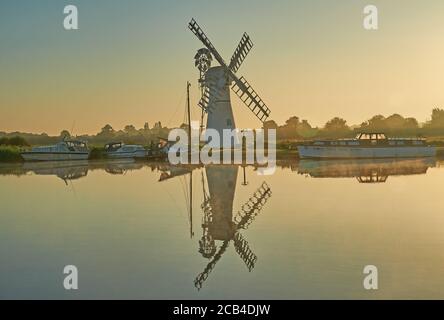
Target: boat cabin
[
  {"x": 371, "y": 139},
  {"x": 371, "y": 136},
  {"x": 113, "y": 146},
  {"x": 76, "y": 145}
]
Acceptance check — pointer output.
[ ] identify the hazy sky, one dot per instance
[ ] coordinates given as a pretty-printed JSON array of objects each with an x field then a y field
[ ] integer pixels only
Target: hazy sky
[{"x": 130, "y": 60}]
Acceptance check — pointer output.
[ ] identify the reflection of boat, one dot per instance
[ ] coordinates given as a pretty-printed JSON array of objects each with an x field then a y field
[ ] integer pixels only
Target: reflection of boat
[
  {"x": 64, "y": 150},
  {"x": 367, "y": 145},
  {"x": 122, "y": 166},
  {"x": 74, "y": 169},
  {"x": 66, "y": 170},
  {"x": 119, "y": 150},
  {"x": 365, "y": 170}
]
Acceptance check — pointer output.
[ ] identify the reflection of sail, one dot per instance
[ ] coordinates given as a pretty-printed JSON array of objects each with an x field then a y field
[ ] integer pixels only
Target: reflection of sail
[
  {"x": 365, "y": 170},
  {"x": 218, "y": 222}
]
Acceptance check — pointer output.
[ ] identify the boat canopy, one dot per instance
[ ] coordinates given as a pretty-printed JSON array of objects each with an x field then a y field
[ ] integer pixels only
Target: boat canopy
[
  {"x": 76, "y": 143},
  {"x": 113, "y": 146},
  {"x": 63, "y": 146},
  {"x": 371, "y": 136}
]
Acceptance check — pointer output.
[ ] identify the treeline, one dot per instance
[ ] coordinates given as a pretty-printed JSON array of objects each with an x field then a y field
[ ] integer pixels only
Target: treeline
[
  {"x": 293, "y": 129},
  {"x": 15, "y": 141},
  {"x": 129, "y": 135},
  {"x": 394, "y": 125}
]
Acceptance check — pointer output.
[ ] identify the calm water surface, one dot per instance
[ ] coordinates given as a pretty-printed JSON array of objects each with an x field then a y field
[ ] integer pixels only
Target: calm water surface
[{"x": 145, "y": 231}]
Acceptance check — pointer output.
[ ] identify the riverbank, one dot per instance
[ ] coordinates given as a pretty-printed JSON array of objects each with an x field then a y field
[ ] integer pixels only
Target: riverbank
[{"x": 11, "y": 154}]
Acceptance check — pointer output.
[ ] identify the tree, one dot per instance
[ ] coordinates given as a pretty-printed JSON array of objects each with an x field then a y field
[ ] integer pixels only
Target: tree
[
  {"x": 270, "y": 124},
  {"x": 376, "y": 123},
  {"x": 336, "y": 124},
  {"x": 130, "y": 129},
  {"x": 107, "y": 129},
  {"x": 292, "y": 122},
  {"x": 14, "y": 141},
  {"x": 65, "y": 134},
  {"x": 158, "y": 125},
  {"x": 437, "y": 118},
  {"x": 395, "y": 121},
  {"x": 146, "y": 126},
  {"x": 336, "y": 128},
  {"x": 411, "y": 123}
]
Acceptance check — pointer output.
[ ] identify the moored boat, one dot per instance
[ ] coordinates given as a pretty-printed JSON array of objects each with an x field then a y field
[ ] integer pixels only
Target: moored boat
[
  {"x": 64, "y": 150},
  {"x": 119, "y": 150},
  {"x": 367, "y": 145}
]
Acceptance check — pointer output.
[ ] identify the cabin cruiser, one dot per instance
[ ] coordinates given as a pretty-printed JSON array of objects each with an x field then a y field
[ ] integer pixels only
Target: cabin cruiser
[
  {"x": 367, "y": 145},
  {"x": 64, "y": 150},
  {"x": 119, "y": 150}
]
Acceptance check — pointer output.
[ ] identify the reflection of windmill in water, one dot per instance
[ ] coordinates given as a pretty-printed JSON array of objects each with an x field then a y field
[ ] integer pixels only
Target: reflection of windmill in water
[
  {"x": 215, "y": 83},
  {"x": 218, "y": 222}
]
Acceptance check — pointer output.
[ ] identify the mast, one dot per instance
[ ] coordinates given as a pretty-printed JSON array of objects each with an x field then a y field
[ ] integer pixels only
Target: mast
[
  {"x": 189, "y": 158},
  {"x": 202, "y": 113},
  {"x": 191, "y": 204},
  {"x": 189, "y": 121}
]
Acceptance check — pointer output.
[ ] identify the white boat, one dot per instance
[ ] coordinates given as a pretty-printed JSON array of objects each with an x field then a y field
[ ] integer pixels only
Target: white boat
[
  {"x": 367, "y": 145},
  {"x": 119, "y": 150},
  {"x": 64, "y": 150}
]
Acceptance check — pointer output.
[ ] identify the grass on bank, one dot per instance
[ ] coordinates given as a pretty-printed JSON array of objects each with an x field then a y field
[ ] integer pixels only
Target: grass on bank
[{"x": 10, "y": 154}]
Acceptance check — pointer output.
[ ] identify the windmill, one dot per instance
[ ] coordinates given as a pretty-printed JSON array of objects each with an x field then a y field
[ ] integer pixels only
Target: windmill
[
  {"x": 218, "y": 222},
  {"x": 216, "y": 81}
]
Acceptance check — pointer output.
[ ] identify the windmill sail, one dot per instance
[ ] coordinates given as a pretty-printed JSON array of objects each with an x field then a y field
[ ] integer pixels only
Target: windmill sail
[
  {"x": 200, "y": 279},
  {"x": 253, "y": 206},
  {"x": 241, "y": 87},
  {"x": 240, "y": 53},
  {"x": 196, "y": 29},
  {"x": 250, "y": 98},
  {"x": 243, "y": 250},
  {"x": 211, "y": 92}
]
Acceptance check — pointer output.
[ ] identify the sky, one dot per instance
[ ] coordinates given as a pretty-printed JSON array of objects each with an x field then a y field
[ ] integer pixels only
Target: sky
[{"x": 130, "y": 60}]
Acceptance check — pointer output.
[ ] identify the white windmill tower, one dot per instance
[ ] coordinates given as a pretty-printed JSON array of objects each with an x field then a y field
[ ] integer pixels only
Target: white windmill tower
[{"x": 217, "y": 80}]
